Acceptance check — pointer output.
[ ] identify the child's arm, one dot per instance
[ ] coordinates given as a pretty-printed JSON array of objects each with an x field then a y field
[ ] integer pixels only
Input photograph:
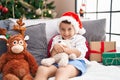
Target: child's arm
[
  {"x": 71, "y": 51},
  {"x": 53, "y": 52},
  {"x": 80, "y": 48},
  {"x": 57, "y": 48}
]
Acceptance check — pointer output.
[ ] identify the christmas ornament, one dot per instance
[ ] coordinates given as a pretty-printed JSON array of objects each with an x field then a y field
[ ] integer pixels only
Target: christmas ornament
[
  {"x": 38, "y": 11},
  {"x": 82, "y": 8},
  {"x": 81, "y": 12},
  {"x": 1, "y": 7},
  {"x": 5, "y": 10},
  {"x": 54, "y": 13},
  {"x": 83, "y": 4}
]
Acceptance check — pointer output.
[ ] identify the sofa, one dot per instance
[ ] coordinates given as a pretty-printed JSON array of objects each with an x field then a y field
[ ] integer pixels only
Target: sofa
[{"x": 41, "y": 31}]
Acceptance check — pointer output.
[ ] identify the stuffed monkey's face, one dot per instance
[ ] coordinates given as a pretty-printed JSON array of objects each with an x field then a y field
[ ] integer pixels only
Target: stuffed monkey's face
[{"x": 16, "y": 44}]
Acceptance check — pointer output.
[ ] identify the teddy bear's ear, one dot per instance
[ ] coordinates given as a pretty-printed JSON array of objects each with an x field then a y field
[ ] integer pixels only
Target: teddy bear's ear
[{"x": 26, "y": 37}]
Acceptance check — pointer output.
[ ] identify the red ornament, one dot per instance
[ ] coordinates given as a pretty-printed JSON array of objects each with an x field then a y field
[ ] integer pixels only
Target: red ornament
[
  {"x": 81, "y": 12},
  {"x": 83, "y": 4},
  {"x": 1, "y": 7},
  {"x": 5, "y": 10}
]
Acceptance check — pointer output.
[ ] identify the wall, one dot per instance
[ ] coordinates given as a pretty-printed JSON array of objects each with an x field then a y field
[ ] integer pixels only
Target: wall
[{"x": 63, "y": 6}]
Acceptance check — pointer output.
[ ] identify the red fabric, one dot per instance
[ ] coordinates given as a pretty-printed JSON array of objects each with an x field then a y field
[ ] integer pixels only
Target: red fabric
[
  {"x": 87, "y": 44},
  {"x": 88, "y": 52},
  {"x": 49, "y": 45},
  {"x": 74, "y": 16}
]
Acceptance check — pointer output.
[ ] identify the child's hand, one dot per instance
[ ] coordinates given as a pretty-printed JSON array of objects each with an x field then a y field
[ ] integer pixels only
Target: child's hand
[
  {"x": 64, "y": 46},
  {"x": 58, "y": 48},
  {"x": 66, "y": 49}
]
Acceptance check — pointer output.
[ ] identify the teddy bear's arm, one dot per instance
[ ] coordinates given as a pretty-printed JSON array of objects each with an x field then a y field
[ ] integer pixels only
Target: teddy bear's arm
[
  {"x": 2, "y": 61},
  {"x": 32, "y": 63}
]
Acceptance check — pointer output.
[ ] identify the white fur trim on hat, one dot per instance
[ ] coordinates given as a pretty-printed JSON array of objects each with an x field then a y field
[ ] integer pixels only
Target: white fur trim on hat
[{"x": 73, "y": 22}]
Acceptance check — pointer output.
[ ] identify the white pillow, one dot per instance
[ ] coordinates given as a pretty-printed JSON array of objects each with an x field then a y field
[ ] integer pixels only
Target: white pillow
[
  {"x": 51, "y": 25},
  {"x": 51, "y": 28}
]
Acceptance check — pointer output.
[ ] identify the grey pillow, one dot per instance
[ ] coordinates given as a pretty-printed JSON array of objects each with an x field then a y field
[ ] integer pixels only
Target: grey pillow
[
  {"x": 95, "y": 29},
  {"x": 6, "y": 24},
  {"x": 3, "y": 46},
  {"x": 0, "y": 76},
  {"x": 37, "y": 44}
]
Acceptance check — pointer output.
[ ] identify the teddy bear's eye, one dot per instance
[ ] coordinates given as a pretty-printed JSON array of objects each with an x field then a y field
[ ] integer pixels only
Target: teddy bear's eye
[
  {"x": 21, "y": 42},
  {"x": 15, "y": 42},
  {"x": 59, "y": 41}
]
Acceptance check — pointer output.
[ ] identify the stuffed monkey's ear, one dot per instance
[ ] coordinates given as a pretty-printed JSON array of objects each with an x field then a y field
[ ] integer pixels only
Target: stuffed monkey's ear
[
  {"x": 7, "y": 44},
  {"x": 3, "y": 33},
  {"x": 3, "y": 37},
  {"x": 26, "y": 37},
  {"x": 26, "y": 44}
]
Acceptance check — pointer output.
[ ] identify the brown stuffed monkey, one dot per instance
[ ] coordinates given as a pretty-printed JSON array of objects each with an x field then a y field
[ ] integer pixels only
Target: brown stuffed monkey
[{"x": 17, "y": 63}]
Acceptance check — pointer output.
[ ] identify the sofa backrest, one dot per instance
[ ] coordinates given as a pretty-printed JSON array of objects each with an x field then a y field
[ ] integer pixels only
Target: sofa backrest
[{"x": 95, "y": 29}]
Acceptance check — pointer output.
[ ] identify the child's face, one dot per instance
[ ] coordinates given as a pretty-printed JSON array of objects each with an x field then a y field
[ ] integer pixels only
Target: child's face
[{"x": 66, "y": 30}]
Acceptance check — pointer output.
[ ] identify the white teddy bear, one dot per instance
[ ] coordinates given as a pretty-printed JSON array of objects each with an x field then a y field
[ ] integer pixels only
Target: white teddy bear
[{"x": 61, "y": 58}]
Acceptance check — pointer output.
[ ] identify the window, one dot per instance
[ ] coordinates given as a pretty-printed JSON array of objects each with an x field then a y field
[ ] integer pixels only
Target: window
[{"x": 109, "y": 9}]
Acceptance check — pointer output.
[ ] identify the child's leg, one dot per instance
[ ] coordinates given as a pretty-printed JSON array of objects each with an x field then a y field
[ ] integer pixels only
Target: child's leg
[
  {"x": 64, "y": 73},
  {"x": 44, "y": 72}
]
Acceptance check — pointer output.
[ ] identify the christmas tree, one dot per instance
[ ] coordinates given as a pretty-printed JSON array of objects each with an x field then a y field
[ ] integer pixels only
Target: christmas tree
[{"x": 29, "y": 9}]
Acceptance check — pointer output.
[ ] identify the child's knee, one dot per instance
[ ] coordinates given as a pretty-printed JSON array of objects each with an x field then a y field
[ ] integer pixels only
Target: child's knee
[
  {"x": 60, "y": 71},
  {"x": 61, "y": 74},
  {"x": 42, "y": 70}
]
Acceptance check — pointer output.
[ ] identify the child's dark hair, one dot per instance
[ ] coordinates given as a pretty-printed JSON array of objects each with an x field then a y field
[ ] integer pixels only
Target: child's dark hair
[{"x": 66, "y": 21}]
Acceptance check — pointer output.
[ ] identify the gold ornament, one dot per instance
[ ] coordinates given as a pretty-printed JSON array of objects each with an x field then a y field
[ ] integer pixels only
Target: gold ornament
[{"x": 38, "y": 11}]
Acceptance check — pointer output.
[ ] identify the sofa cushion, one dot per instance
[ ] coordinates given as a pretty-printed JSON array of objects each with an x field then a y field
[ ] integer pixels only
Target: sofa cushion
[
  {"x": 95, "y": 29},
  {"x": 37, "y": 44},
  {"x": 3, "y": 46},
  {"x": 5, "y": 24},
  {"x": 0, "y": 76}
]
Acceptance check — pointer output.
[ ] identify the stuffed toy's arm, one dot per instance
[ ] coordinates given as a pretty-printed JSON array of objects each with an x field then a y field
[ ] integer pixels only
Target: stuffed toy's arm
[
  {"x": 32, "y": 63},
  {"x": 2, "y": 61}
]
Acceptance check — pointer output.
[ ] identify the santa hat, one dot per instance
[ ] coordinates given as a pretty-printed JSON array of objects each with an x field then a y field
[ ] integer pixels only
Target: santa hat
[{"x": 75, "y": 21}]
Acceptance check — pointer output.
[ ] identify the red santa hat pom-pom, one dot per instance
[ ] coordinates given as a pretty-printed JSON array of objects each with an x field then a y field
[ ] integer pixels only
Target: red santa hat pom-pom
[{"x": 75, "y": 21}]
